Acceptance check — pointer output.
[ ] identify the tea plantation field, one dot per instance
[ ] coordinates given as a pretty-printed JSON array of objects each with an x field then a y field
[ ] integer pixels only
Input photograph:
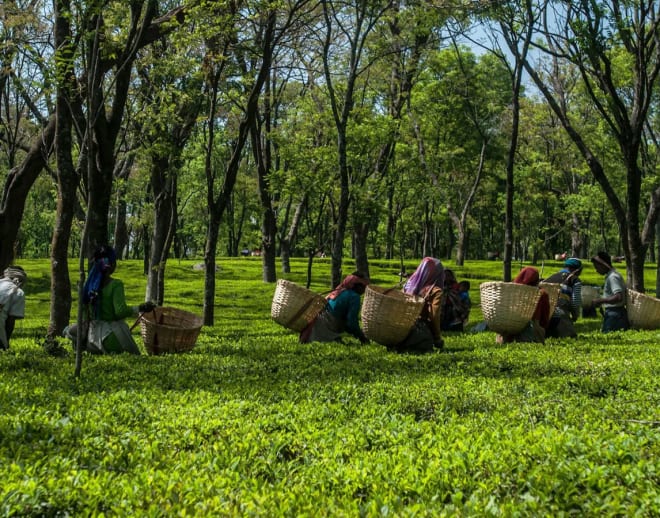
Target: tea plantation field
[{"x": 252, "y": 423}]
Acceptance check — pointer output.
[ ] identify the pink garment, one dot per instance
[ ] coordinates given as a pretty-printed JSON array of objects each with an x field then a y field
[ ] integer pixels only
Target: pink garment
[{"x": 428, "y": 274}]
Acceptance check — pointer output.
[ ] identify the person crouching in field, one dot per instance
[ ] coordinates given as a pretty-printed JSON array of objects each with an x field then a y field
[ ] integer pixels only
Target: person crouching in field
[
  {"x": 12, "y": 302},
  {"x": 613, "y": 301},
  {"x": 104, "y": 295},
  {"x": 341, "y": 314},
  {"x": 537, "y": 326},
  {"x": 426, "y": 282},
  {"x": 570, "y": 299}
]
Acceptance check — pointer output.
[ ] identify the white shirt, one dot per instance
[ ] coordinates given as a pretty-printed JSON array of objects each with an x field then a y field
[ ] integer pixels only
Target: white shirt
[{"x": 12, "y": 303}]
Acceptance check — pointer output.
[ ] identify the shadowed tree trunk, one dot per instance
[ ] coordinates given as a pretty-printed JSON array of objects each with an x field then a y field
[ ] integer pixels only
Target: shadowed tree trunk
[
  {"x": 17, "y": 186},
  {"x": 67, "y": 179}
]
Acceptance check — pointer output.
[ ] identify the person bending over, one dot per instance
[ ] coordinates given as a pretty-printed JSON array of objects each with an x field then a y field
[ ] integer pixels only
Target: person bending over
[{"x": 341, "y": 314}]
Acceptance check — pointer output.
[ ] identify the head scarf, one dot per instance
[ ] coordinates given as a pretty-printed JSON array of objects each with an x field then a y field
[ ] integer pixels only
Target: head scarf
[
  {"x": 349, "y": 283},
  {"x": 15, "y": 274},
  {"x": 429, "y": 273},
  {"x": 573, "y": 262},
  {"x": 529, "y": 276},
  {"x": 104, "y": 260}
]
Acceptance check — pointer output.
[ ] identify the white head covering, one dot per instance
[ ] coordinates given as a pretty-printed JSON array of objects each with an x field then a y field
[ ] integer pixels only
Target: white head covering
[{"x": 15, "y": 274}]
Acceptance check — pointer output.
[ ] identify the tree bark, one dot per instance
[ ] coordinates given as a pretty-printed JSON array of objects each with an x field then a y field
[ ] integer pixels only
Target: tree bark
[{"x": 67, "y": 179}]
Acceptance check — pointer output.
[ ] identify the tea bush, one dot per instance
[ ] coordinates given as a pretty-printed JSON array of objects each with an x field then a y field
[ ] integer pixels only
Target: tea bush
[{"x": 253, "y": 423}]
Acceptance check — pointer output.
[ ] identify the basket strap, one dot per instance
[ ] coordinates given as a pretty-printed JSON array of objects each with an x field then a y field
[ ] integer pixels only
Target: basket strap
[
  {"x": 140, "y": 317},
  {"x": 298, "y": 313},
  {"x": 137, "y": 321}
]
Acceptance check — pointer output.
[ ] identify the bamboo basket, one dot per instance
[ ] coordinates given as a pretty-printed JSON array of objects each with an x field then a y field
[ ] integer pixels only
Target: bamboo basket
[
  {"x": 169, "y": 330},
  {"x": 508, "y": 307},
  {"x": 643, "y": 310},
  {"x": 553, "y": 290},
  {"x": 589, "y": 293},
  {"x": 294, "y": 306},
  {"x": 388, "y": 315}
]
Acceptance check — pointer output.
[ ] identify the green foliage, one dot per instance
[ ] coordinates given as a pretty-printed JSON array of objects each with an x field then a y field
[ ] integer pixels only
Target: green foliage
[{"x": 252, "y": 423}]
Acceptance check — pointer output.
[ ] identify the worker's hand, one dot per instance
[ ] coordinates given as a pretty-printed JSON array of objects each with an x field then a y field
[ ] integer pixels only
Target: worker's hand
[{"x": 146, "y": 307}]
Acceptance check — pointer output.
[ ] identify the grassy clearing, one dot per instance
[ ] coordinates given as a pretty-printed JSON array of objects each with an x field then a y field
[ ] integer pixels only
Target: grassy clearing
[{"x": 252, "y": 423}]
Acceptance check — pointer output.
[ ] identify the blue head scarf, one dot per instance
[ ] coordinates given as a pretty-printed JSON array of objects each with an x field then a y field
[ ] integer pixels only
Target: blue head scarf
[{"x": 104, "y": 260}]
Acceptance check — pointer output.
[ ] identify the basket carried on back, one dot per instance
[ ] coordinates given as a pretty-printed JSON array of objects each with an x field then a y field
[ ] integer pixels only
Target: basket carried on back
[
  {"x": 643, "y": 310},
  {"x": 589, "y": 293},
  {"x": 294, "y": 306},
  {"x": 508, "y": 307},
  {"x": 388, "y": 315},
  {"x": 169, "y": 330},
  {"x": 552, "y": 289}
]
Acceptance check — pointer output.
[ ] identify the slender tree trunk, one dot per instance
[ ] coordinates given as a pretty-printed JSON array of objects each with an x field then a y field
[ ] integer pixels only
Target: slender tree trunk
[
  {"x": 164, "y": 187},
  {"x": 360, "y": 238},
  {"x": 261, "y": 149},
  {"x": 285, "y": 242}
]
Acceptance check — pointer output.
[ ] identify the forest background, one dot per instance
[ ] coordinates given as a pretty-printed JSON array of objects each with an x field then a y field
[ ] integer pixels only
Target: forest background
[{"x": 368, "y": 129}]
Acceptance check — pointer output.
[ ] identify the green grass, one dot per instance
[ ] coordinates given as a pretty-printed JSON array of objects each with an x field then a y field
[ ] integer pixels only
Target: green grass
[{"x": 252, "y": 423}]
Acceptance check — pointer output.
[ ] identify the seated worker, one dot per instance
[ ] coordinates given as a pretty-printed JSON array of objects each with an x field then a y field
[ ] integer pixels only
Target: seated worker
[
  {"x": 465, "y": 303},
  {"x": 425, "y": 282},
  {"x": 455, "y": 309},
  {"x": 570, "y": 299},
  {"x": 341, "y": 314},
  {"x": 104, "y": 295},
  {"x": 613, "y": 301},
  {"x": 12, "y": 302},
  {"x": 537, "y": 326}
]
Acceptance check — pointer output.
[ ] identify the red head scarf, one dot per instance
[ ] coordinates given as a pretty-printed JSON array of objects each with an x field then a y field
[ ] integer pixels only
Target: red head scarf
[
  {"x": 349, "y": 283},
  {"x": 530, "y": 277}
]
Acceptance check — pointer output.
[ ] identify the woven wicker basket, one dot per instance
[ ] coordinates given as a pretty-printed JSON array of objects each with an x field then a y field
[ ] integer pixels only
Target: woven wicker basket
[
  {"x": 388, "y": 315},
  {"x": 643, "y": 310},
  {"x": 169, "y": 330},
  {"x": 552, "y": 289},
  {"x": 508, "y": 307},
  {"x": 589, "y": 293},
  {"x": 294, "y": 306}
]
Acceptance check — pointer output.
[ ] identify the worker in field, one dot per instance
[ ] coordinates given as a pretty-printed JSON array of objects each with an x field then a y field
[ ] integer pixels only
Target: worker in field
[
  {"x": 12, "y": 302},
  {"x": 570, "y": 299},
  {"x": 613, "y": 300}
]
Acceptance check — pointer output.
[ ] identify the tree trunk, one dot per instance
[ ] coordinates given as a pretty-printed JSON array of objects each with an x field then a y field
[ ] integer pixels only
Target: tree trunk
[
  {"x": 17, "y": 186},
  {"x": 360, "y": 239},
  {"x": 209, "y": 269},
  {"x": 261, "y": 150},
  {"x": 285, "y": 242},
  {"x": 218, "y": 205},
  {"x": 67, "y": 180},
  {"x": 164, "y": 187}
]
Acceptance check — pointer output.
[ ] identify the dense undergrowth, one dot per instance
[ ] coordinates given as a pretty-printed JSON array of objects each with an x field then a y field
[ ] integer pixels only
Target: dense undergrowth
[{"x": 252, "y": 423}]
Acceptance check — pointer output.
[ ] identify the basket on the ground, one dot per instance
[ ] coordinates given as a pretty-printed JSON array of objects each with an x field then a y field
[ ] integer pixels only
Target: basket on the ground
[
  {"x": 508, "y": 307},
  {"x": 552, "y": 289},
  {"x": 169, "y": 330},
  {"x": 294, "y": 306},
  {"x": 589, "y": 293},
  {"x": 388, "y": 315},
  {"x": 643, "y": 310}
]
